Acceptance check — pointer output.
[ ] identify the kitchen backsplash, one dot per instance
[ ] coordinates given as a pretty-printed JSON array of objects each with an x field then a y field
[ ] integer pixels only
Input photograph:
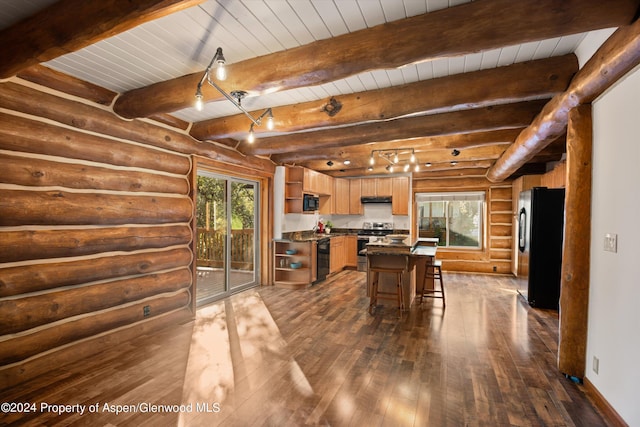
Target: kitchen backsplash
[{"x": 372, "y": 213}]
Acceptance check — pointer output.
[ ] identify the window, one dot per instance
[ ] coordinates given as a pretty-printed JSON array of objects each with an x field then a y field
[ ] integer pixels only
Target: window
[{"x": 456, "y": 219}]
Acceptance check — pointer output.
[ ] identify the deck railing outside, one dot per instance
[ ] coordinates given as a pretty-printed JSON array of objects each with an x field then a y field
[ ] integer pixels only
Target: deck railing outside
[{"x": 210, "y": 248}]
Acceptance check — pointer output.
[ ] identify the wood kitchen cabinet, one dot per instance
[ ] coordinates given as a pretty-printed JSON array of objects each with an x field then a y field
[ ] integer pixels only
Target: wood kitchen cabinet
[
  {"x": 384, "y": 187},
  {"x": 377, "y": 187},
  {"x": 341, "y": 197},
  {"x": 351, "y": 250},
  {"x": 317, "y": 183},
  {"x": 337, "y": 255},
  {"x": 368, "y": 187},
  {"x": 400, "y": 198},
  {"x": 355, "y": 193}
]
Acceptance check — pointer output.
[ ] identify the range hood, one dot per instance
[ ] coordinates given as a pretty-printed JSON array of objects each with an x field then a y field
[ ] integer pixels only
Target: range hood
[{"x": 373, "y": 199}]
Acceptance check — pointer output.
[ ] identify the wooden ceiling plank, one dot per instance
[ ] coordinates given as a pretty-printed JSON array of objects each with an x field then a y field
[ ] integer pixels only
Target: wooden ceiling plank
[
  {"x": 70, "y": 25},
  {"x": 506, "y": 116},
  {"x": 470, "y": 27},
  {"x": 542, "y": 78},
  {"x": 619, "y": 54}
]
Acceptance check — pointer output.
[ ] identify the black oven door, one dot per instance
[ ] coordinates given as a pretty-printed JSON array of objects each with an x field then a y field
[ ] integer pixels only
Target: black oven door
[
  {"x": 362, "y": 244},
  {"x": 362, "y": 259}
]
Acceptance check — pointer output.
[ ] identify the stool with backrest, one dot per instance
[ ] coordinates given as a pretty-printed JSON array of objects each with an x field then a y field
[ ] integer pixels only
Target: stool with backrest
[
  {"x": 434, "y": 271},
  {"x": 378, "y": 266}
]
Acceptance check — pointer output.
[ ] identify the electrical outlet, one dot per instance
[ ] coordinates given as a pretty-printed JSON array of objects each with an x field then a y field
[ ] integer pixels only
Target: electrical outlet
[
  {"x": 146, "y": 310},
  {"x": 611, "y": 242},
  {"x": 596, "y": 364}
]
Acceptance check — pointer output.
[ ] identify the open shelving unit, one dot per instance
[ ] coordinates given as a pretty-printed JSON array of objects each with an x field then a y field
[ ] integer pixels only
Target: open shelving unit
[
  {"x": 293, "y": 278},
  {"x": 293, "y": 194}
]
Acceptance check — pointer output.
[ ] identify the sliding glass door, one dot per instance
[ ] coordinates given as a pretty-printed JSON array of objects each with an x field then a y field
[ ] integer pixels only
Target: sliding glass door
[{"x": 227, "y": 236}]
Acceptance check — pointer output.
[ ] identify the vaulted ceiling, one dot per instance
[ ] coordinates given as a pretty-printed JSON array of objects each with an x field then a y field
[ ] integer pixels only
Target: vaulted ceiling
[{"x": 342, "y": 77}]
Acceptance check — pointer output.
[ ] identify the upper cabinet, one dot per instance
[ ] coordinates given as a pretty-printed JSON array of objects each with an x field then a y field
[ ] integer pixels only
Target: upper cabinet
[
  {"x": 341, "y": 196},
  {"x": 298, "y": 181},
  {"x": 368, "y": 187},
  {"x": 384, "y": 187},
  {"x": 400, "y": 198},
  {"x": 377, "y": 187},
  {"x": 317, "y": 183},
  {"x": 355, "y": 193}
]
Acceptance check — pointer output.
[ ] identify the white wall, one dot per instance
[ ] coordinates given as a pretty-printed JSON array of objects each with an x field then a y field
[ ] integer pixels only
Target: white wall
[{"x": 614, "y": 315}]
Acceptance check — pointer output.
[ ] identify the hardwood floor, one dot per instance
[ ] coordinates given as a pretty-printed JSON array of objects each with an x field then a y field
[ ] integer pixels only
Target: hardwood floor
[{"x": 279, "y": 357}]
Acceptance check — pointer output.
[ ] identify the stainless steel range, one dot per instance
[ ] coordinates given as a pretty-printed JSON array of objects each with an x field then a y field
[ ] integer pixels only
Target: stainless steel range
[{"x": 371, "y": 232}]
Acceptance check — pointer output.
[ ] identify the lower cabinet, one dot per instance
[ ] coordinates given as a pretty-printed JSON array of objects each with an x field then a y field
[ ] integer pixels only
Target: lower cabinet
[
  {"x": 343, "y": 253},
  {"x": 336, "y": 259},
  {"x": 294, "y": 263}
]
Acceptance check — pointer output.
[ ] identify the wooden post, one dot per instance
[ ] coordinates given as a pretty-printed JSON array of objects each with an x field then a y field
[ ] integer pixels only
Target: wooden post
[
  {"x": 207, "y": 217},
  {"x": 574, "y": 293}
]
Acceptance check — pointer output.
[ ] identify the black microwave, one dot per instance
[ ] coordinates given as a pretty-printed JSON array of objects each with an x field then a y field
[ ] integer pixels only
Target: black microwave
[{"x": 310, "y": 203}]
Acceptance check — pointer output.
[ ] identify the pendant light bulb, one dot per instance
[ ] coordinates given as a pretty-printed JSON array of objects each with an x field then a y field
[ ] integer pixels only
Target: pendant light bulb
[
  {"x": 252, "y": 137},
  {"x": 270, "y": 124},
  {"x": 371, "y": 160},
  {"x": 221, "y": 71},
  {"x": 390, "y": 168},
  {"x": 417, "y": 168},
  {"x": 395, "y": 158},
  {"x": 413, "y": 158},
  {"x": 199, "y": 101},
  {"x": 406, "y": 167}
]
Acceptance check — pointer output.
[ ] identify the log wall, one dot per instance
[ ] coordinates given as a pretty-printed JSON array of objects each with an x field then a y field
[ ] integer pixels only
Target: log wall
[
  {"x": 96, "y": 227},
  {"x": 495, "y": 256}
]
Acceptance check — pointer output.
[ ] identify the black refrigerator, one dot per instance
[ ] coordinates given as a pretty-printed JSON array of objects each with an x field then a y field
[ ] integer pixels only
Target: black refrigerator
[{"x": 540, "y": 234}]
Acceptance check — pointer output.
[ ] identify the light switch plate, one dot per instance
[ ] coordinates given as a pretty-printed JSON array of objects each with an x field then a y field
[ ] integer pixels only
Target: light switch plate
[{"x": 611, "y": 242}]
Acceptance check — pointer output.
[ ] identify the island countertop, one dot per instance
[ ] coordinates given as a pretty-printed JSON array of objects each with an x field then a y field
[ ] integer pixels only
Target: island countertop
[{"x": 417, "y": 248}]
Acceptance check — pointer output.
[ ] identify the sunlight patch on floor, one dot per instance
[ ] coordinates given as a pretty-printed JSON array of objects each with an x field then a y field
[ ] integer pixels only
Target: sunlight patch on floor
[{"x": 236, "y": 348}]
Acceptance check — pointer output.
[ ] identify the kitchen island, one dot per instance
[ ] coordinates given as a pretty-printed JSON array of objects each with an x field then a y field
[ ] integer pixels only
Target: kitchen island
[{"x": 413, "y": 257}]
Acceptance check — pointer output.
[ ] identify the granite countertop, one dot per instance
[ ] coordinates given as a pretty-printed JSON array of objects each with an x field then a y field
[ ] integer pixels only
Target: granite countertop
[
  {"x": 309, "y": 237},
  {"x": 385, "y": 247}
]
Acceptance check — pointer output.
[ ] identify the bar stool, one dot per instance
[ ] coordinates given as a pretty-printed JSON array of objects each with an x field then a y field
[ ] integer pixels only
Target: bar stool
[
  {"x": 375, "y": 268},
  {"x": 434, "y": 271}
]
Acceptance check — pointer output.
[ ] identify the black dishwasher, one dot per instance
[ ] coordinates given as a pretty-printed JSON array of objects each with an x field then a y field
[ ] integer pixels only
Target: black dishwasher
[{"x": 324, "y": 252}]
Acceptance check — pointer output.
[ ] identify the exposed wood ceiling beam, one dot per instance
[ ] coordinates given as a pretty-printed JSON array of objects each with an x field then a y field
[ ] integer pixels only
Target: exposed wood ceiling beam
[
  {"x": 617, "y": 56},
  {"x": 468, "y": 163},
  {"x": 507, "y": 116},
  {"x": 469, "y": 27},
  {"x": 65, "y": 83},
  {"x": 70, "y": 25},
  {"x": 444, "y": 171},
  {"x": 458, "y": 141},
  {"x": 487, "y": 152},
  {"x": 543, "y": 78}
]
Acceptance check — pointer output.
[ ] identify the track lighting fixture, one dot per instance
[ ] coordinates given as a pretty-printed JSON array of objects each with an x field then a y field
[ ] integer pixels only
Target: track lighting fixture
[
  {"x": 235, "y": 97},
  {"x": 393, "y": 157}
]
